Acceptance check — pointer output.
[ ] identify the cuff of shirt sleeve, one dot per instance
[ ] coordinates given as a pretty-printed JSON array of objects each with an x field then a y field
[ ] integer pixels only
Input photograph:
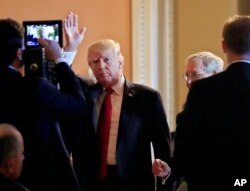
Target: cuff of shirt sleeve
[
  {"x": 163, "y": 182},
  {"x": 58, "y": 60},
  {"x": 69, "y": 57}
]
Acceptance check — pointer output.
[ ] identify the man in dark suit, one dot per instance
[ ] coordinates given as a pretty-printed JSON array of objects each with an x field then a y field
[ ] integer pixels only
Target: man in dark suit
[
  {"x": 214, "y": 151},
  {"x": 34, "y": 105},
  {"x": 138, "y": 120},
  {"x": 197, "y": 66},
  {"x": 11, "y": 158}
]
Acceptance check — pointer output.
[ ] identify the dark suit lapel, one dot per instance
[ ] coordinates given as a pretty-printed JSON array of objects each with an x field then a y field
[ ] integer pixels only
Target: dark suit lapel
[
  {"x": 129, "y": 91},
  {"x": 94, "y": 93},
  {"x": 128, "y": 95}
]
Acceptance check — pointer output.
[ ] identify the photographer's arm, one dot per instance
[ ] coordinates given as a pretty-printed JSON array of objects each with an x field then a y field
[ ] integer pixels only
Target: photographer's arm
[{"x": 69, "y": 99}]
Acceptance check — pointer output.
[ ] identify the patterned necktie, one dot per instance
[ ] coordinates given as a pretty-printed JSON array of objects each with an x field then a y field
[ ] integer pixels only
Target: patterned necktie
[{"x": 103, "y": 129}]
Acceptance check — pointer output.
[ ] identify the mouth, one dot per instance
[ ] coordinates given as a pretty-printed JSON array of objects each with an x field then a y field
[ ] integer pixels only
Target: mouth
[{"x": 103, "y": 74}]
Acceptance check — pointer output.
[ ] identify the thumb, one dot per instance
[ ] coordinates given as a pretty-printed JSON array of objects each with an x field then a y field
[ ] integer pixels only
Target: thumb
[
  {"x": 83, "y": 30},
  {"x": 42, "y": 42}
]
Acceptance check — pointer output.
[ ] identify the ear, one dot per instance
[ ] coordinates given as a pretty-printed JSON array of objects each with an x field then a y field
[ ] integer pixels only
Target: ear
[
  {"x": 224, "y": 46},
  {"x": 120, "y": 64},
  {"x": 8, "y": 166},
  {"x": 19, "y": 54},
  {"x": 10, "y": 163}
]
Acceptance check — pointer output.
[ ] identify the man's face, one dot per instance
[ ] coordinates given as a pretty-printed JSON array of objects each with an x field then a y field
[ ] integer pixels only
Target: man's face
[
  {"x": 106, "y": 66},
  {"x": 195, "y": 71},
  {"x": 17, "y": 161}
]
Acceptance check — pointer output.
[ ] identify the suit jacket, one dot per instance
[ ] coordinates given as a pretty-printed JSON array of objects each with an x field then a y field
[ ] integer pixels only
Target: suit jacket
[
  {"x": 7, "y": 184},
  {"x": 34, "y": 106},
  {"x": 212, "y": 148},
  {"x": 142, "y": 121}
]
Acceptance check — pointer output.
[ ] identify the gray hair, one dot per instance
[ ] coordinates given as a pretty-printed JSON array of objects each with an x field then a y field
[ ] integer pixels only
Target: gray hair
[{"x": 211, "y": 62}]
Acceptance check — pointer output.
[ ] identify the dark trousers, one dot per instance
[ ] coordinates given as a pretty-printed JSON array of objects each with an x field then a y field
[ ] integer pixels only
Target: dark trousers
[{"x": 111, "y": 182}]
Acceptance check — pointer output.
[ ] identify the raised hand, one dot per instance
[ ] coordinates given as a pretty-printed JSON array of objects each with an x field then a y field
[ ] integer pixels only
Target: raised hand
[
  {"x": 52, "y": 49},
  {"x": 74, "y": 36}
]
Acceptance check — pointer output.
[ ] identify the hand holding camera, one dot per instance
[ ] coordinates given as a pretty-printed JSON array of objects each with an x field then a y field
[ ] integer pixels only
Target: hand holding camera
[
  {"x": 52, "y": 49},
  {"x": 43, "y": 41}
]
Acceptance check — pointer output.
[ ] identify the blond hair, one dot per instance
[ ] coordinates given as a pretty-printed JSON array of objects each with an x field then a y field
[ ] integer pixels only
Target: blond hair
[{"x": 105, "y": 44}]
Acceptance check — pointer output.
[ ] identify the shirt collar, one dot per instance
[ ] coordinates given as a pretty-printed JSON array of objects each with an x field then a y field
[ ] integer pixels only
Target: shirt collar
[
  {"x": 247, "y": 61},
  {"x": 13, "y": 68},
  {"x": 119, "y": 86}
]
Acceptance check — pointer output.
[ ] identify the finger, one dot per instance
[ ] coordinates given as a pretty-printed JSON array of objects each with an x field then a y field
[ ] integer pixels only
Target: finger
[
  {"x": 82, "y": 31},
  {"x": 76, "y": 20},
  {"x": 157, "y": 171},
  {"x": 68, "y": 20},
  {"x": 158, "y": 161},
  {"x": 155, "y": 165},
  {"x": 65, "y": 24},
  {"x": 71, "y": 19},
  {"x": 43, "y": 42},
  {"x": 163, "y": 164}
]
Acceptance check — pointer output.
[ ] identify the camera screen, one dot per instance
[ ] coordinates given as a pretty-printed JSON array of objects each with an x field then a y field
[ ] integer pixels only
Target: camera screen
[{"x": 51, "y": 30}]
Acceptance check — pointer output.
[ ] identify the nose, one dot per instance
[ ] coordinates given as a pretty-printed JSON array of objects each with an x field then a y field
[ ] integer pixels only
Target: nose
[
  {"x": 189, "y": 82},
  {"x": 102, "y": 64}
]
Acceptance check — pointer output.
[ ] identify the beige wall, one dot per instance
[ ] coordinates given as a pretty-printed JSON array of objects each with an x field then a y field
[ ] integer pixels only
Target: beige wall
[
  {"x": 102, "y": 18},
  {"x": 198, "y": 26}
]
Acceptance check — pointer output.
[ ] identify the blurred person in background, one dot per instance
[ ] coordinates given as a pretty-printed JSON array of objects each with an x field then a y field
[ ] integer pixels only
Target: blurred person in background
[{"x": 11, "y": 158}]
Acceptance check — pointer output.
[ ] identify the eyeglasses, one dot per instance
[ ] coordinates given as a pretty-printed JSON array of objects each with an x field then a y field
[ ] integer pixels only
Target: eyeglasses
[{"x": 192, "y": 76}]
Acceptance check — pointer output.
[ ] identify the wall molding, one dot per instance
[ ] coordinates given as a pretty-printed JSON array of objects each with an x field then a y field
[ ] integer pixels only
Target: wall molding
[{"x": 152, "y": 49}]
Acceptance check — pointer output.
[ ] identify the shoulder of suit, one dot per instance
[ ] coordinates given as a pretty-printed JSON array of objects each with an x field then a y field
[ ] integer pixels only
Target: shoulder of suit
[
  {"x": 135, "y": 87},
  {"x": 87, "y": 80}
]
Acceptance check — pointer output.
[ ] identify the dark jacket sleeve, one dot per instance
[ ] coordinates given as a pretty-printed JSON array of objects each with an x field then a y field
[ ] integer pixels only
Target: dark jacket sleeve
[
  {"x": 69, "y": 100},
  {"x": 162, "y": 142}
]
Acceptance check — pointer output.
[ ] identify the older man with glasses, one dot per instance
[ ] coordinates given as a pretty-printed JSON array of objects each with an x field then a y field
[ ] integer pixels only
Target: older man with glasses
[
  {"x": 197, "y": 66},
  {"x": 201, "y": 65}
]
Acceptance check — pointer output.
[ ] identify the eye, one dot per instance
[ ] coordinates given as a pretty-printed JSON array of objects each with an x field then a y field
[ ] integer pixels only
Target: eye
[
  {"x": 95, "y": 61},
  {"x": 106, "y": 59}
]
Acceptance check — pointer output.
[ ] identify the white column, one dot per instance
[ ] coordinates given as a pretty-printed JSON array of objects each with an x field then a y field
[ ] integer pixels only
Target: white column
[{"x": 152, "y": 52}]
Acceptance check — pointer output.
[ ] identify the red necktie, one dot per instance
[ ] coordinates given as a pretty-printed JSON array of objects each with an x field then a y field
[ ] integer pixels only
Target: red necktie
[{"x": 103, "y": 129}]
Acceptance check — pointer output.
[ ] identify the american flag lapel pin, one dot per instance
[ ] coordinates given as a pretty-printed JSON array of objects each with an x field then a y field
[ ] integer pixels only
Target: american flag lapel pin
[{"x": 131, "y": 93}]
